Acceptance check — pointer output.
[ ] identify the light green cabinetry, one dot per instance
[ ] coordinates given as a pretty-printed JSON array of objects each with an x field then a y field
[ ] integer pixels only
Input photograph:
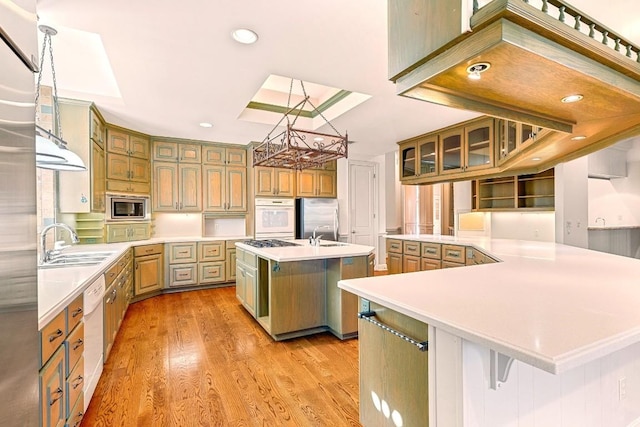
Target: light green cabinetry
[{"x": 127, "y": 232}]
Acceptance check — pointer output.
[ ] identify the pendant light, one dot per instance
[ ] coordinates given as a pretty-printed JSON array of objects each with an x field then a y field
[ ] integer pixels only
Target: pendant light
[{"x": 51, "y": 150}]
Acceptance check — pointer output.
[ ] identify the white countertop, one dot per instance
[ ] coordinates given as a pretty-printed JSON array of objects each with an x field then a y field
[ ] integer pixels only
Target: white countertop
[
  {"x": 57, "y": 287},
  {"x": 307, "y": 252},
  {"x": 549, "y": 305}
]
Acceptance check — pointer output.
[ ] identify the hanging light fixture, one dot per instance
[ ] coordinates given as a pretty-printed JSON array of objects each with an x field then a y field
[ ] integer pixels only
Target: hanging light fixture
[
  {"x": 294, "y": 148},
  {"x": 51, "y": 150}
]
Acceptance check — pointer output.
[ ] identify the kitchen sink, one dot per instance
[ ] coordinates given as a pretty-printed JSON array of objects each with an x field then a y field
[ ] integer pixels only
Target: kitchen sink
[
  {"x": 325, "y": 245},
  {"x": 76, "y": 259}
]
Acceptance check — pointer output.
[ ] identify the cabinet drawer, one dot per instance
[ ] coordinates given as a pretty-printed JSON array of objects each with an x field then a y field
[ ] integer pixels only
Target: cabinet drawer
[
  {"x": 394, "y": 246},
  {"x": 77, "y": 412},
  {"x": 75, "y": 312},
  {"x": 52, "y": 336},
  {"x": 211, "y": 272},
  {"x": 74, "y": 347},
  {"x": 111, "y": 275},
  {"x": 453, "y": 253},
  {"x": 211, "y": 251},
  {"x": 182, "y": 253},
  {"x": 431, "y": 250},
  {"x": 247, "y": 258},
  {"x": 411, "y": 248},
  {"x": 430, "y": 264},
  {"x": 183, "y": 275},
  {"x": 74, "y": 385},
  {"x": 148, "y": 250},
  {"x": 451, "y": 264},
  {"x": 475, "y": 257}
]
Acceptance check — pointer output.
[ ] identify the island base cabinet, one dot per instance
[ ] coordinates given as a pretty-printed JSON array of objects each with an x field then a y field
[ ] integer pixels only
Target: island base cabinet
[{"x": 393, "y": 371}]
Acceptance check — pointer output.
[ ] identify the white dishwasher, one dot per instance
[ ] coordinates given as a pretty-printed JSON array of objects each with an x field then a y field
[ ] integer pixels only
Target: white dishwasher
[{"x": 93, "y": 336}]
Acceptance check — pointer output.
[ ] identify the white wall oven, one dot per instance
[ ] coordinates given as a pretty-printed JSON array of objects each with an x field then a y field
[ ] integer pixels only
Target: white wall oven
[
  {"x": 275, "y": 219},
  {"x": 127, "y": 208}
]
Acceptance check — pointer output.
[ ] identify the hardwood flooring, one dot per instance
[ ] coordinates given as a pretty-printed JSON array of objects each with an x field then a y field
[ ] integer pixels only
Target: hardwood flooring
[{"x": 199, "y": 359}]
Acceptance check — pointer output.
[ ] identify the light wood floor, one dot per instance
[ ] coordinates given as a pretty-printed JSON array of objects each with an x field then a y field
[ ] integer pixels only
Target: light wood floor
[{"x": 199, "y": 359}]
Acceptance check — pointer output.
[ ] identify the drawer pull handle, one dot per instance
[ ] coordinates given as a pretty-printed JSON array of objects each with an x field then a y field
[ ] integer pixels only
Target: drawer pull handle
[
  {"x": 368, "y": 316},
  {"x": 80, "y": 415},
  {"x": 77, "y": 382},
  {"x": 77, "y": 312},
  {"x": 54, "y": 336},
  {"x": 148, "y": 251},
  {"x": 430, "y": 250},
  {"x": 56, "y": 396},
  {"x": 453, "y": 254},
  {"x": 78, "y": 344}
]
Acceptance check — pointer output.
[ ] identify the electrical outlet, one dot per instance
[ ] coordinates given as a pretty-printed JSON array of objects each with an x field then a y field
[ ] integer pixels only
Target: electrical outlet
[{"x": 622, "y": 388}]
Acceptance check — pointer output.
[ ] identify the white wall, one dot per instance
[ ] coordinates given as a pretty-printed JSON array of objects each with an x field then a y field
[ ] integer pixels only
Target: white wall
[{"x": 617, "y": 200}]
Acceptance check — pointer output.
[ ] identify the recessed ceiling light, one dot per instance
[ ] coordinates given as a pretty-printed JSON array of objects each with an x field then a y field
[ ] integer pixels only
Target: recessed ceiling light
[
  {"x": 245, "y": 36},
  {"x": 474, "y": 70},
  {"x": 578, "y": 138},
  {"x": 536, "y": 159},
  {"x": 572, "y": 98},
  {"x": 206, "y": 125}
]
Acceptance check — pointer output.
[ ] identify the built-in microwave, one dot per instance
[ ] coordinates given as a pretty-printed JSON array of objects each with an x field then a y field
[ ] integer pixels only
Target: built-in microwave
[{"x": 122, "y": 207}]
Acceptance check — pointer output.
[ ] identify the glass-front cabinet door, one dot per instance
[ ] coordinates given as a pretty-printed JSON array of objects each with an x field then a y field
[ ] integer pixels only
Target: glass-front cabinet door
[
  {"x": 452, "y": 156},
  {"x": 479, "y": 145},
  {"x": 428, "y": 157},
  {"x": 408, "y": 161},
  {"x": 513, "y": 136}
]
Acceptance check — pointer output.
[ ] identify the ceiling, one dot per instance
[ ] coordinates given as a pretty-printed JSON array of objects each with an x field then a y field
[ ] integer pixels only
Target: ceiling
[{"x": 161, "y": 69}]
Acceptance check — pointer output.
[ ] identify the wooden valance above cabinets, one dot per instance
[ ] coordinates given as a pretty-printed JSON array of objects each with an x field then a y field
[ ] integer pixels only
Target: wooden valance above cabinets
[{"x": 520, "y": 61}]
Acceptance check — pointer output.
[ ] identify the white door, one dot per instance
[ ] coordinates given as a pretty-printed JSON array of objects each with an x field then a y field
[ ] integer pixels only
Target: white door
[{"x": 362, "y": 203}]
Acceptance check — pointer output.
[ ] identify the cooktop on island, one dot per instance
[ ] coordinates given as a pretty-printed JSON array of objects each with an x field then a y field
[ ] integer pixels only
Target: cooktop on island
[{"x": 269, "y": 243}]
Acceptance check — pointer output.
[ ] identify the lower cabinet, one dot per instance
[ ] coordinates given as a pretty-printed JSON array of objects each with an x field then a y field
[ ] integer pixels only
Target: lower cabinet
[
  {"x": 119, "y": 288},
  {"x": 247, "y": 279},
  {"x": 149, "y": 269},
  {"x": 62, "y": 367},
  {"x": 394, "y": 382},
  {"x": 203, "y": 263}
]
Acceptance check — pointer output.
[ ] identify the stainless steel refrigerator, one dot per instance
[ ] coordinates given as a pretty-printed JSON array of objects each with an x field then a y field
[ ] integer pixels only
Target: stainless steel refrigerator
[
  {"x": 19, "y": 352},
  {"x": 320, "y": 215}
]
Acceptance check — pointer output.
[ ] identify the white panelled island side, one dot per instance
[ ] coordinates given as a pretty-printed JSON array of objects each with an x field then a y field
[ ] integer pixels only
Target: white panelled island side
[{"x": 547, "y": 335}]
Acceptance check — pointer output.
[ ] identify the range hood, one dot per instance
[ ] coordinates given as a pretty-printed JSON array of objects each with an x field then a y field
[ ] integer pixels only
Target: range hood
[{"x": 536, "y": 59}]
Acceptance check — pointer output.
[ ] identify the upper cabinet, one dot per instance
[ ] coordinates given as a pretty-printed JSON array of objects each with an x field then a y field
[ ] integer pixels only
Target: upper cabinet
[
  {"x": 224, "y": 179},
  {"x": 165, "y": 151},
  {"x": 84, "y": 132},
  {"x": 319, "y": 182},
  {"x": 225, "y": 156},
  {"x": 453, "y": 153},
  {"x": 513, "y": 137},
  {"x": 274, "y": 182},
  {"x": 128, "y": 167},
  {"x": 177, "y": 177}
]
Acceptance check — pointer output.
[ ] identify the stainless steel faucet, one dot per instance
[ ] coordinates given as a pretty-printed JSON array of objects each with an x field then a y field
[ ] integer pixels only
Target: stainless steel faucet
[
  {"x": 46, "y": 254},
  {"x": 603, "y": 221},
  {"x": 315, "y": 241}
]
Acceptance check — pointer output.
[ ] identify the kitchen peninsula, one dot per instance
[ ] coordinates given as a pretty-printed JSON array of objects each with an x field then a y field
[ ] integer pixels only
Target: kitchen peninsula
[
  {"x": 548, "y": 335},
  {"x": 292, "y": 290}
]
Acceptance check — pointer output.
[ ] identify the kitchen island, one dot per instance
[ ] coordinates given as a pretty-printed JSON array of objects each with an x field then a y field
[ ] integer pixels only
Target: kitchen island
[
  {"x": 548, "y": 335},
  {"x": 292, "y": 290}
]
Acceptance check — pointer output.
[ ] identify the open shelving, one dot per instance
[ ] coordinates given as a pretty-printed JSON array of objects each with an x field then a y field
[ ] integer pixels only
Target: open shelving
[{"x": 533, "y": 192}]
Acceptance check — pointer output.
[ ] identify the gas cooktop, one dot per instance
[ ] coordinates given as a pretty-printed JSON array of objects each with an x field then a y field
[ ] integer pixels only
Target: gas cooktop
[{"x": 269, "y": 243}]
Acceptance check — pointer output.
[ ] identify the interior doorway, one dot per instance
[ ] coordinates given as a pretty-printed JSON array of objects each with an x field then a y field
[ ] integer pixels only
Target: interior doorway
[
  {"x": 428, "y": 209},
  {"x": 363, "y": 228}
]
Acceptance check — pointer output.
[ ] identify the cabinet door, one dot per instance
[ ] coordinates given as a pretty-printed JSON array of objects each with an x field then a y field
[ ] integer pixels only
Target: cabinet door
[
  {"x": 284, "y": 182},
  {"x": 236, "y": 157},
  {"x": 213, "y": 187},
  {"x": 52, "y": 396},
  {"x": 165, "y": 187},
  {"x": 411, "y": 263},
  {"x": 139, "y": 231},
  {"x": 165, "y": 151},
  {"x": 306, "y": 185},
  {"x": 250, "y": 290},
  {"x": 139, "y": 170},
  {"x": 394, "y": 263},
  {"x": 327, "y": 186},
  {"x": 241, "y": 278},
  {"x": 451, "y": 154},
  {"x": 236, "y": 189},
  {"x": 427, "y": 159},
  {"x": 97, "y": 129},
  {"x": 231, "y": 264},
  {"x": 98, "y": 176},
  {"x": 190, "y": 187},
  {"x": 507, "y": 134},
  {"x": 265, "y": 184},
  {"x": 109, "y": 319},
  {"x": 214, "y": 155},
  {"x": 430, "y": 264},
  {"x": 148, "y": 274},
  {"x": 118, "y": 167},
  {"x": 190, "y": 153},
  {"x": 117, "y": 233},
  {"x": 408, "y": 161},
  {"x": 117, "y": 142},
  {"x": 479, "y": 145},
  {"x": 139, "y": 147}
]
